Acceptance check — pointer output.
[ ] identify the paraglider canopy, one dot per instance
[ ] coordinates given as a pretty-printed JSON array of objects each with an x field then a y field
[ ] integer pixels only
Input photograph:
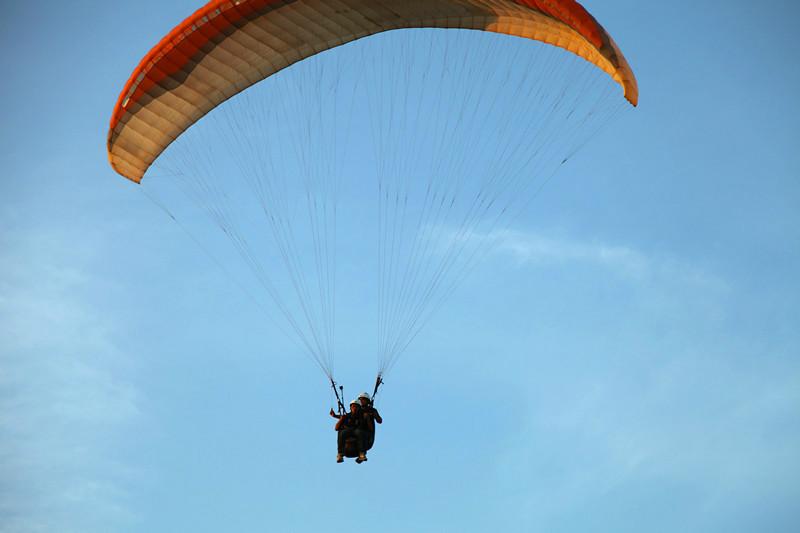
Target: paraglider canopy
[{"x": 227, "y": 46}]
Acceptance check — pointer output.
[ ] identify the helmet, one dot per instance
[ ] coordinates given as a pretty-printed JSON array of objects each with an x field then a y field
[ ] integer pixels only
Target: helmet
[
  {"x": 356, "y": 402},
  {"x": 363, "y": 395}
]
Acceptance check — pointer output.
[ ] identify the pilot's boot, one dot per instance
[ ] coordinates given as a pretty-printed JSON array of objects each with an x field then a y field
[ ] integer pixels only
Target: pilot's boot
[
  {"x": 339, "y": 458},
  {"x": 361, "y": 457}
]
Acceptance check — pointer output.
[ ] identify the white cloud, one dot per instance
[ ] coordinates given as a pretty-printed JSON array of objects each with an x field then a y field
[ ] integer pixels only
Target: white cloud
[
  {"x": 627, "y": 262},
  {"x": 63, "y": 397},
  {"x": 676, "y": 400},
  {"x": 691, "y": 429}
]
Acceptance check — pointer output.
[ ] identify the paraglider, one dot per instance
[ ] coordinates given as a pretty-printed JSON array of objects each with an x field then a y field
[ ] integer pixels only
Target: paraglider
[
  {"x": 356, "y": 429},
  {"x": 352, "y": 434},
  {"x": 465, "y": 127}
]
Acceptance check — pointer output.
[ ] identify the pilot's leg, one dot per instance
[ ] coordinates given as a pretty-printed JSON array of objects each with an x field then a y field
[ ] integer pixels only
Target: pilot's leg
[
  {"x": 341, "y": 437},
  {"x": 361, "y": 439}
]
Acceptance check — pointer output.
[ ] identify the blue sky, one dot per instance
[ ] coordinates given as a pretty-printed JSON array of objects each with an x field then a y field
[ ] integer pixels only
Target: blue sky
[{"x": 625, "y": 360}]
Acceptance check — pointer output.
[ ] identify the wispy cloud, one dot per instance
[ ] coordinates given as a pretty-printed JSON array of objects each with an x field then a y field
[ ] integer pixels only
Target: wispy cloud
[
  {"x": 541, "y": 249},
  {"x": 701, "y": 446},
  {"x": 63, "y": 399},
  {"x": 675, "y": 403}
]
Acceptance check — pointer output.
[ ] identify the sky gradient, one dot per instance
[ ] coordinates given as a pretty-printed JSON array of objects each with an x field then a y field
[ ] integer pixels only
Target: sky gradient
[{"x": 627, "y": 359}]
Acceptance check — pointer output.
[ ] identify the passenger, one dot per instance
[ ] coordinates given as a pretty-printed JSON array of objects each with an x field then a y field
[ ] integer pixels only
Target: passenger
[
  {"x": 370, "y": 416},
  {"x": 353, "y": 425}
]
